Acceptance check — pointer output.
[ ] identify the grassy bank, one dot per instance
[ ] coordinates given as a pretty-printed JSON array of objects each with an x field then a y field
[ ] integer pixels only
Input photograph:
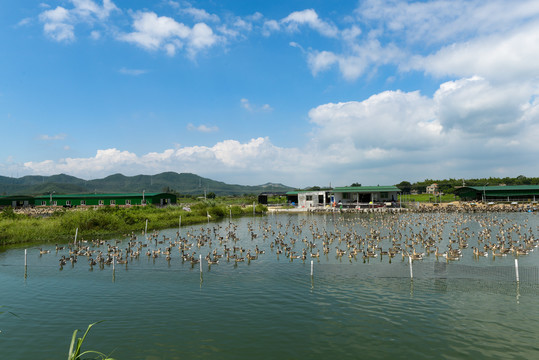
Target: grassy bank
[
  {"x": 428, "y": 198},
  {"x": 109, "y": 221}
]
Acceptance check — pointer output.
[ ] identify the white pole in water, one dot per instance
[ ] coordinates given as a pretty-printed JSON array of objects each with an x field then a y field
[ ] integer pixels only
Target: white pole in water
[
  {"x": 180, "y": 226},
  {"x": 312, "y": 268},
  {"x": 208, "y": 215},
  {"x": 113, "y": 262},
  {"x": 25, "y": 256},
  {"x": 200, "y": 262},
  {"x": 76, "y": 233},
  {"x": 253, "y": 208},
  {"x": 411, "y": 270},
  {"x": 230, "y": 214},
  {"x": 146, "y": 229},
  {"x": 516, "y": 269}
]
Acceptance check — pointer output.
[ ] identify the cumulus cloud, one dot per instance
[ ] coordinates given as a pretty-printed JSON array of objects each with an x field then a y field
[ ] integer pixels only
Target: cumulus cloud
[
  {"x": 389, "y": 121},
  {"x": 153, "y": 32},
  {"x": 465, "y": 123},
  {"x": 500, "y": 57},
  {"x": 475, "y": 106},
  {"x": 59, "y": 23},
  {"x": 227, "y": 157},
  {"x": 385, "y": 138}
]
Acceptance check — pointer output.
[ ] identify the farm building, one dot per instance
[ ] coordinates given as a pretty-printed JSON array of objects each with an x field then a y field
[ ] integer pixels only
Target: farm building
[
  {"x": 313, "y": 198},
  {"x": 499, "y": 193},
  {"x": 432, "y": 188},
  {"x": 105, "y": 199},
  {"x": 16, "y": 201},
  {"x": 292, "y": 197},
  {"x": 263, "y": 197},
  {"x": 364, "y": 196},
  {"x": 348, "y": 196}
]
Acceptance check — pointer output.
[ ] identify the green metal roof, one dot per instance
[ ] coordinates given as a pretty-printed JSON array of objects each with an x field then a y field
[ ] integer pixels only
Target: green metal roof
[
  {"x": 504, "y": 188},
  {"x": 366, "y": 189},
  {"x": 514, "y": 190},
  {"x": 100, "y": 196}
]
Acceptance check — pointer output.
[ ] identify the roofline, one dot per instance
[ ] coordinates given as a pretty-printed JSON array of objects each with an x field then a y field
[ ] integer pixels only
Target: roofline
[{"x": 58, "y": 196}]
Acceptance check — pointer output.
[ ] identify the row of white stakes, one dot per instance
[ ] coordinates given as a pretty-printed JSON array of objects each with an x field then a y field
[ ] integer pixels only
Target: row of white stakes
[{"x": 312, "y": 265}]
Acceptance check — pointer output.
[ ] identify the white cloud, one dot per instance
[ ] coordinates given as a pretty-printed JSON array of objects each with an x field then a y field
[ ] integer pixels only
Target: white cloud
[
  {"x": 269, "y": 27},
  {"x": 441, "y": 21},
  {"x": 321, "y": 60},
  {"x": 200, "y": 14},
  {"x": 60, "y": 32},
  {"x": 392, "y": 121},
  {"x": 310, "y": 18},
  {"x": 53, "y": 137},
  {"x": 202, "y": 128},
  {"x": 228, "y": 157},
  {"x": 105, "y": 161},
  {"x": 133, "y": 72},
  {"x": 501, "y": 57},
  {"x": 59, "y": 23},
  {"x": 24, "y": 22},
  {"x": 495, "y": 39},
  {"x": 367, "y": 55},
  {"x": 88, "y": 9},
  {"x": 151, "y": 31},
  {"x": 154, "y": 32},
  {"x": 95, "y": 35},
  {"x": 246, "y": 104},
  {"x": 475, "y": 106},
  {"x": 463, "y": 130},
  {"x": 201, "y": 37}
]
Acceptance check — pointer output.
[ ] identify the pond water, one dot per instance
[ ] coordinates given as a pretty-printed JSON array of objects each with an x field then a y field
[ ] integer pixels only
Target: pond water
[{"x": 271, "y": 307}]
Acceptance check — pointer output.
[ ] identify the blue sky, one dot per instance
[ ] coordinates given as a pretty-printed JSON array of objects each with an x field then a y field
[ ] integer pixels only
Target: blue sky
[{"x": 298, "y": 92}]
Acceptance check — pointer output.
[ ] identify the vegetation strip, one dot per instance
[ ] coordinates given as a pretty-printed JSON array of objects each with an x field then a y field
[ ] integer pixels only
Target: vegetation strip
[{"x": 109, "y": 221}]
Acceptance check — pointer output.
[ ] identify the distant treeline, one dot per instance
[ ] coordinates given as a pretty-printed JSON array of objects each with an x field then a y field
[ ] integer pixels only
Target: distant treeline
[{"x": 448, "y": 186}]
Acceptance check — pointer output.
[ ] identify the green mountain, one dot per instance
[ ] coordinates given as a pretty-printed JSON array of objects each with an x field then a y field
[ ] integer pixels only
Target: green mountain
[{"x": 188, "y": 184}]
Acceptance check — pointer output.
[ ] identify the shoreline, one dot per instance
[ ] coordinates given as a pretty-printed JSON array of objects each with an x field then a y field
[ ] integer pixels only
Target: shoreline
[{"x": 455, "y": 206}]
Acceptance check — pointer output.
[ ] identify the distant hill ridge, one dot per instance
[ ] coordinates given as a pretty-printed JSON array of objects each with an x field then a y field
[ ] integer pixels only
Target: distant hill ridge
[{"x": 184, "y": 183}]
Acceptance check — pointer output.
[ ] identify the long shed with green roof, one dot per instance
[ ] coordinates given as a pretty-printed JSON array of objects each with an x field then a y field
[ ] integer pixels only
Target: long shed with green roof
[
  {"x": 105, "y": 199},
  {"x": 499, "y": 193},
  {"x": 16, "y": 201}
]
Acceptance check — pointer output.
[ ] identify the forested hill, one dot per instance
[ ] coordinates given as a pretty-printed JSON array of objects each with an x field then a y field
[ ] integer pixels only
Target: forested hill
[{"x": 187, "y": 184}]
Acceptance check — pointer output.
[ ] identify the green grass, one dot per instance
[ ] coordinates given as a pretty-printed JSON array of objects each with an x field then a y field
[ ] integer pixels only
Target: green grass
[
  {"x": 110, "y": 221},
  {"x": 429, "y": 198}
]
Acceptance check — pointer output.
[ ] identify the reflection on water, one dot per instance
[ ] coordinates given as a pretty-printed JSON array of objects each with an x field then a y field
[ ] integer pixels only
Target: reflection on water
[{"x": 272, "y": 307}]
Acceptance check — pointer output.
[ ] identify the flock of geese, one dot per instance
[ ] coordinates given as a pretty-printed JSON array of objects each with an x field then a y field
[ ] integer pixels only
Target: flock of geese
[{"x": 413, "y": 237}]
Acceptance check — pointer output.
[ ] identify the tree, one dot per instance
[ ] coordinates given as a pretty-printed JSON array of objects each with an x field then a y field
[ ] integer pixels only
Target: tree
[
  {"x": 405, "y": 186},
  {"x": 355, "y": 184},
  {"x": 211, "y": 195}
]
